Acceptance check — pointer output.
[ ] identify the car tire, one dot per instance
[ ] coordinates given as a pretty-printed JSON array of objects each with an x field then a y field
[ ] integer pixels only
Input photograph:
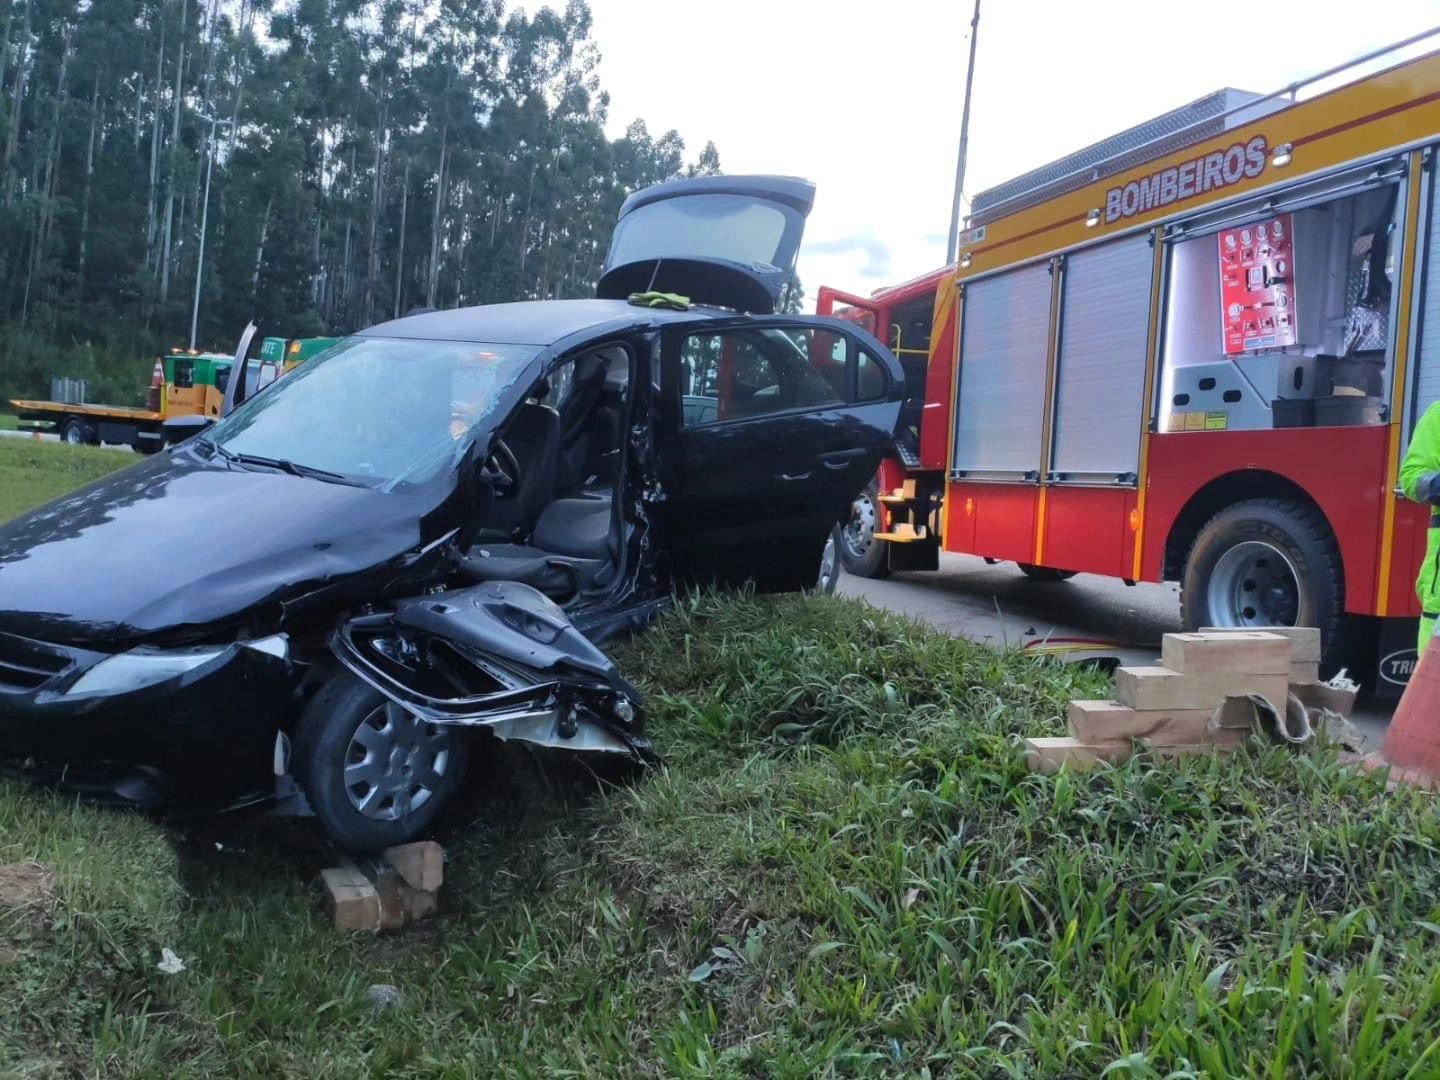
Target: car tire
[
  {"x": 860, "y": 553},
  {"x": 829, "y": 575},
  {"x": 1265, "y": 562},
  {"x": 77, "y": 433},
  {"x": 1044, "y": 573},
  {"x": 364, "y": 811}
]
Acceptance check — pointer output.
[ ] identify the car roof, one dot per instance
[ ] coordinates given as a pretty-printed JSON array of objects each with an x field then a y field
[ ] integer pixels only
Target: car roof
[{"x": 533, "y": 322}]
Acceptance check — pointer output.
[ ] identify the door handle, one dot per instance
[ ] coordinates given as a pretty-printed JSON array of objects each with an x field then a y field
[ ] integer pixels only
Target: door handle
[
  {"x": 839, "y": 459},
  {"x": 792, "y": 476}
]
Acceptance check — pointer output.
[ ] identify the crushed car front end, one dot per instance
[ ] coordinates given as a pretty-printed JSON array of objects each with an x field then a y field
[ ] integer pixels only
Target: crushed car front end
[{"x": 146, "y": 726}]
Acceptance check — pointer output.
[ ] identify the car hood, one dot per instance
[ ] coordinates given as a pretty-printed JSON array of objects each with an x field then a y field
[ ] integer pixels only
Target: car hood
[{"x": 175, "y": 544}]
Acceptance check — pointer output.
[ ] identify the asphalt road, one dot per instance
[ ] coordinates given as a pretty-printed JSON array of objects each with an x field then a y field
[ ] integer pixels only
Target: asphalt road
[{"x": 1085, "y": 617}]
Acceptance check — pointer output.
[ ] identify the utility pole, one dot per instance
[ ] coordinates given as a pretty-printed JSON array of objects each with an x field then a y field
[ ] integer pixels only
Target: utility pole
[
  {"x": 204, "y": 218},
  {"x": 950, "y": 250}
]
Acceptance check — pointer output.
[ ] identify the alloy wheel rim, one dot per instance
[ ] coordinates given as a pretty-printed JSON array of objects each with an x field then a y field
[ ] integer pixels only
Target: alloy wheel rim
[
  {"x": 859, "y": 532},
  {"x": 394, "y": 763},
  {"x": 1254, "y": 584}
]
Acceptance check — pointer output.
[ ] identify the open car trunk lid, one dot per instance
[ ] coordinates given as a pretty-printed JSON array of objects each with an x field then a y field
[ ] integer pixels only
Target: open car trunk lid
[{"x": 723, "y": 241}]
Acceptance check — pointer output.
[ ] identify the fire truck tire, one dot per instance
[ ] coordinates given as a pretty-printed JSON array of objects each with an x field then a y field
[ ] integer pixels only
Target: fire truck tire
[
  {"x": 1044, "y": 573},
  {"x": 1265, "y": 562},
  {"x": 77, "y": 433},
  {"x": 860, "y": 553}
]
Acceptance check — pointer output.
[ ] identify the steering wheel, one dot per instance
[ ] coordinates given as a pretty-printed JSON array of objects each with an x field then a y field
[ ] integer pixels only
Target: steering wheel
[{"x": 502, "y": 469}]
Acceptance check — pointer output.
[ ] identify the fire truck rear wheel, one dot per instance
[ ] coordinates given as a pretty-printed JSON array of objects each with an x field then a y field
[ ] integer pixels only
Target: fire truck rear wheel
[
  {"x": 860, "y": 553},
  {"x": 1265, "y": 562}
]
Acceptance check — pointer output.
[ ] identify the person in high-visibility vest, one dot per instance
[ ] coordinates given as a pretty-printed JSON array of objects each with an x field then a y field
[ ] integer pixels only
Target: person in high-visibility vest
[{"x": 1420, "y": 480}]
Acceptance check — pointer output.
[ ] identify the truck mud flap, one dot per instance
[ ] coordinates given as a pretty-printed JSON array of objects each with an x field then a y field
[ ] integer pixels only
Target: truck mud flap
[{"x": 501, "y": 656}]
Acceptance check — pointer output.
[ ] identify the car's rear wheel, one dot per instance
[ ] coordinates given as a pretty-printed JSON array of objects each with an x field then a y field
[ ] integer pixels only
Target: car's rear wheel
[
  {"x": 375, "y": 774},
  {"x": 860, "y": 553},
  {"x": 1044, "y": 573},
  {"x": 829, "y": 564}
]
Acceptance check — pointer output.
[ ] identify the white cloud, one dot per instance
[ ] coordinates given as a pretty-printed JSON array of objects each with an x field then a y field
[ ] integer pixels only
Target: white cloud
[{"x": 865, "y": 98}]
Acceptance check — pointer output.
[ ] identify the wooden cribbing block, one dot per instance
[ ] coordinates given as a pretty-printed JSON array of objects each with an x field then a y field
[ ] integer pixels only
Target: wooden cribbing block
[
  {"x": 350, "y": 898},
  {"x": 1247, "y": 652},
  {"x": 1152, "y": 688},
  {"x": 421, "y": 864},
  {"x": 1110, "y": 721},
  {"x": 1047, "y": 755},
  {"x": 1304, "y": 640},
  {"x": 1304, "y": 671}
]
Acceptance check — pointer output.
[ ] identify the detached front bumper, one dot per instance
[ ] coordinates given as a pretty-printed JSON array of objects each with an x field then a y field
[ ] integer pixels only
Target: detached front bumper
[{"x": 204, "y": 739}]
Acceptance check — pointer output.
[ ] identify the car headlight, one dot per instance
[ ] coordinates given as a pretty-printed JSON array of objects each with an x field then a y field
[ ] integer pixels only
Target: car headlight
[{"x": 140, "y": 668}]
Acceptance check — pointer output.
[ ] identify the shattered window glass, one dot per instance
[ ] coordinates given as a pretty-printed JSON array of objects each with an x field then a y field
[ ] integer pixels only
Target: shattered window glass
[{"x": 378, "y": 410}]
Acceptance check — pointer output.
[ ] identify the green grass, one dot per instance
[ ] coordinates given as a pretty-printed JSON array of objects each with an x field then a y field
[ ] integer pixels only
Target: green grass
[
  {"x": 842, "y": 868},
  {"x": 8, "y": 421},
  {"x": 32, "y": 473}
]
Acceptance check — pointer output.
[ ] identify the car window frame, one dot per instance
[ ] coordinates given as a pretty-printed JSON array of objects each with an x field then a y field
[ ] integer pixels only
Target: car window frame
[{"x": 673, "y": 340}]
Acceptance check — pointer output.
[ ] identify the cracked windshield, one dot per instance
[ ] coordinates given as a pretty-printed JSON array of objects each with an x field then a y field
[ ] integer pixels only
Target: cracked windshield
[{"x": 380, "y": 411}]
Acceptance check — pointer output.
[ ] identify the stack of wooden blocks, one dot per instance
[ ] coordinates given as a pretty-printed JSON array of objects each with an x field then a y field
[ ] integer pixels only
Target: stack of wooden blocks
[
  {"x": 1176, "y": 708},
  {"x": 385, "y": 892}
]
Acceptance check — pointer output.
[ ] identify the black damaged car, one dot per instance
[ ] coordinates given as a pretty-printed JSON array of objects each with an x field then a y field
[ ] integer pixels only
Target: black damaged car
[{"x": 424, "y": 533}]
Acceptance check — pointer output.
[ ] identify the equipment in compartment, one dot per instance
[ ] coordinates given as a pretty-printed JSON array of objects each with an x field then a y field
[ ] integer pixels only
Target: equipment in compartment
[{"x": 1257, "y": 285}]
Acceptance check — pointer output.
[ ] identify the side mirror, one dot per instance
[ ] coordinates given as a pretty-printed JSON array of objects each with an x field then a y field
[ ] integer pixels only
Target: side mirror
[{"x": 179, "y": 428}]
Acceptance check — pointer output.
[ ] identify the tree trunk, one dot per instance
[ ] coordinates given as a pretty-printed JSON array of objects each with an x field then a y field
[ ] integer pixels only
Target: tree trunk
[
  {"x": 260, "y": 252},
  {"x": 153, "y": 205},
  {"x": 400, "y": 257},
  {"x": 434, "y": 281},
  {"x": 89, "y": 173},
  {"x": 16, "y": 101},
  {"x": 172, "y": 168}
]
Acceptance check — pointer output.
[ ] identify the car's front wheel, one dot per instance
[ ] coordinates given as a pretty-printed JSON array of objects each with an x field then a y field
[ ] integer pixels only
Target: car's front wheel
[{"x": 375, "y": 774}]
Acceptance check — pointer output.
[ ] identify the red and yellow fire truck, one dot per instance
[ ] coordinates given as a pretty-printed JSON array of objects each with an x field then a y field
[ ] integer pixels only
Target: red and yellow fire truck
[{"x": 1193, "y": 351}]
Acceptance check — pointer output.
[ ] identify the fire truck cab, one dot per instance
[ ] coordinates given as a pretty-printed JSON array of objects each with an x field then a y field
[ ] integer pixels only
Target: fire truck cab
[{"x": 1194, "y": 352}]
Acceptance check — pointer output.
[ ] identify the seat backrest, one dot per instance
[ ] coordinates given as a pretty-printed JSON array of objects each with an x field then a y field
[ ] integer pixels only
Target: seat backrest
[{"x": 534, "y": 437}]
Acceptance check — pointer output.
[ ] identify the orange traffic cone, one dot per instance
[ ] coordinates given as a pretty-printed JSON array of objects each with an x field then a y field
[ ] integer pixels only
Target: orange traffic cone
[{"x": 1412, "y": 744}]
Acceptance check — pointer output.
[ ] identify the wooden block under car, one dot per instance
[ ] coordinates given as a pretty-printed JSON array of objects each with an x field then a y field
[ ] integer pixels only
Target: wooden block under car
[
  {"x": 1150, "y": 688},
  {"x": 1304, "y": 640},
  {"x": 350, "y": 898},
  {"x": 1048, "y": 755},
  {"x": 1318, "y": 695},
  {"x": 421, "y": 864},
  {"x": 400, "y": 903},
  {"x": 1248, "y": 652},
  {"x": 1304, "y": 671},
  {"x": 1110, "y": 721}
]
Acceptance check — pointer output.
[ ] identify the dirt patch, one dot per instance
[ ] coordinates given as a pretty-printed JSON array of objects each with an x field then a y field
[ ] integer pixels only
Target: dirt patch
[{"x": 27, "y": 897}]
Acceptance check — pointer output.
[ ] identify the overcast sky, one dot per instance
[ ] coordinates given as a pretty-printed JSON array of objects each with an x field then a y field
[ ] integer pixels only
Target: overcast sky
[{"x": 865, "y": 97}]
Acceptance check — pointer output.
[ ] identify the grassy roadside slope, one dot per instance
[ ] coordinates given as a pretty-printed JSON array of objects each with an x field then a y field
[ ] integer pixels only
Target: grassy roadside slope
[
  {"x": 842, "y": 868},
  {"x": 32, "y": 472}
]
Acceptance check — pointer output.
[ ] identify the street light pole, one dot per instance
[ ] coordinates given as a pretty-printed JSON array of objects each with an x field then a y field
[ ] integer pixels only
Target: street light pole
[
  {"x": 954, "y": 240},
  {"x": 204, "y": 219}
]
